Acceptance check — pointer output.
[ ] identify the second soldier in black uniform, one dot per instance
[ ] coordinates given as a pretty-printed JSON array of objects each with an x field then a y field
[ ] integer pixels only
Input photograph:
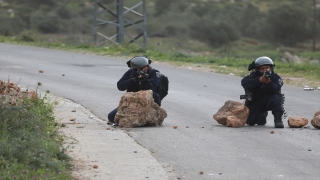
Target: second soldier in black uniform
[{"x": 263, "y": 92}]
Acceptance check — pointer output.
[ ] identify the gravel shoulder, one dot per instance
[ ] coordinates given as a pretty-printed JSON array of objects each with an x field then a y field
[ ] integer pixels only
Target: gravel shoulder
[{"x": 100, "y": 151}]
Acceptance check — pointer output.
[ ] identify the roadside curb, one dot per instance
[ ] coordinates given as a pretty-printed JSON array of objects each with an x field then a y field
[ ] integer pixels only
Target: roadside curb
[{"x": 100, "y": 151}]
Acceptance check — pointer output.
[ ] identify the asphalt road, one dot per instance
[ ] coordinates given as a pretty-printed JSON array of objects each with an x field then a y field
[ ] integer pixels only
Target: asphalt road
[{"x": 199, "y": 144}]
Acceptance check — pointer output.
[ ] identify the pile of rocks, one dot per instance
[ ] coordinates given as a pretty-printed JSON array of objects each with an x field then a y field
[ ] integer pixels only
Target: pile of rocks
[
  {"x": 8, "y": 88},
  {"x": 235, "y": 114},
  {"x": 298, "y": 122},
  {"x": 11, "y": 93}
]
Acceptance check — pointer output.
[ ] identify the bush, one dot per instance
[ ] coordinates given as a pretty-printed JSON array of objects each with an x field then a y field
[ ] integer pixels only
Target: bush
[
  {"x": 288, "y": 25},
  {"x": 251, "y": 22},
  {"x": 27, "y": 37},
  {"x": 104, "y": 2},
  {"x": 45, "y": 23},
  {"x": 11, "y": 26},
  {"x": 215, "y": 34},
  {"x": 64, "y": 12},
  {"x": 202, "y": 9},
  {"x": 161, "y": 6},
  {"x": 36, "y": 3},
  {"x": 29, "y": 143},
  {"x": 49, "y": 25}
]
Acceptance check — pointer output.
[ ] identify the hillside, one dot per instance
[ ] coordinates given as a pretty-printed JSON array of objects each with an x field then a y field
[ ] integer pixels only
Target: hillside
[{"x": 214, "y": 23}]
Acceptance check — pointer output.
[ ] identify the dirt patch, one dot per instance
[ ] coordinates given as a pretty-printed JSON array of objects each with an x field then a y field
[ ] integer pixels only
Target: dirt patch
[{"x": 300, "y": 82}]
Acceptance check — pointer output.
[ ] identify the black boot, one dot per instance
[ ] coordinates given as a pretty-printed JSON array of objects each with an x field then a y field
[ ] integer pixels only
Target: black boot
[
  {"x": 250, "y": 124},
  {"x": 278, "y": 120},
  {"x": 263, "y": 120}
]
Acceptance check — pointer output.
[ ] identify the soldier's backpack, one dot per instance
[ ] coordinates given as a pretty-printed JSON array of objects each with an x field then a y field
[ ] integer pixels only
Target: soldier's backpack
[{"x": 163, "y": 86}]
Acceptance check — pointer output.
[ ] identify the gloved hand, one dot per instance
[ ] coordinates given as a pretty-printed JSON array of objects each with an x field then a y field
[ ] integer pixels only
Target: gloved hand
[
  {"x": 135, "y": 79},
  {"x": 264, "y": 79},
  {"x": 142, "y": 76},
  {"x": 142, "y": 79},
  {"x": 134, "y": 76}
]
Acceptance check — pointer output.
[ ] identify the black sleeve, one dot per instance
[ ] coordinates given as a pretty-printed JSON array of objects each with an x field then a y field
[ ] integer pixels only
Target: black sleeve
[
  {"x": 274, "y": 86},
  {"x": 250, "y": 82},
  {"x": 126, "y": 81}
]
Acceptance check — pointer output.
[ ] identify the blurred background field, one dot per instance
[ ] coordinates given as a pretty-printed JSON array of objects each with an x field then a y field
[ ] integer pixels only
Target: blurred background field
[{"x": 221, "y": 35}]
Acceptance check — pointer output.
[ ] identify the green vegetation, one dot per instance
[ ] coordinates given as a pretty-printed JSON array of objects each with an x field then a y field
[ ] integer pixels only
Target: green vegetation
[
  {"x": 223, "y": 36},
  {"x": 30, "y": 147},
  {"x": 216, "y": 23}
]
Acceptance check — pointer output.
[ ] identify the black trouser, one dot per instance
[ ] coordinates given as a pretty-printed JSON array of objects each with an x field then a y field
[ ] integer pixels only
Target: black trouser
[
  {"x": 112, "y": 115},
  {"x": 259, "y": 108}
]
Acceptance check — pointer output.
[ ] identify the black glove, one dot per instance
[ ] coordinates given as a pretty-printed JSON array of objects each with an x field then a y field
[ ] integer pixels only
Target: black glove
[
  {"x": 134, "y": 76},
  {"x": 142, "y": 76},
  {"x": 135, "y": 79},
  {"x": 142, "y": 79}
]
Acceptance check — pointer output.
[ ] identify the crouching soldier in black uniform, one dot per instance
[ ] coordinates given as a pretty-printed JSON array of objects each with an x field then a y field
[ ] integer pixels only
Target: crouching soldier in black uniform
[
  {"x": 141, "y": 76},
  {"x": 263, "y": 92}
]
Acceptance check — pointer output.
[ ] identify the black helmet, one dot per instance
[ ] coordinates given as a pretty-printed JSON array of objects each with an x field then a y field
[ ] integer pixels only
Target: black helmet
[
  {"x": 139, "y": 62},
  {"x": 264, "y": 60}
]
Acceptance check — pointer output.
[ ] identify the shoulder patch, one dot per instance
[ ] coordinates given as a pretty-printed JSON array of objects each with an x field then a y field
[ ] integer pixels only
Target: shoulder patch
[
  {"x": 280, "y": 82},
  {"x": 158, "y": 74}
]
